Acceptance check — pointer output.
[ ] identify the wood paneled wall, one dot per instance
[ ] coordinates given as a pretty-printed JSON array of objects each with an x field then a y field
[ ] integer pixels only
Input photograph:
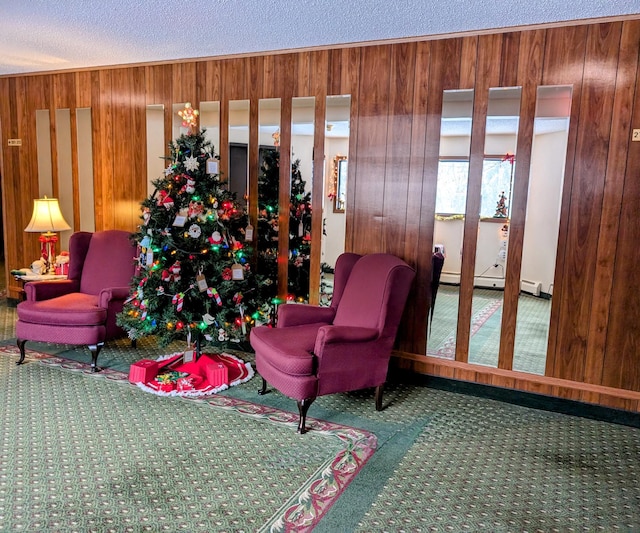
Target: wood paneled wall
[{"x": 396, "y": 91}]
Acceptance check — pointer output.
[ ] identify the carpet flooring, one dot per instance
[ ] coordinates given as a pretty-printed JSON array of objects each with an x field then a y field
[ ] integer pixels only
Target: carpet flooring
[
  {"x": 80, "y": 451},
  {"x": 532, "y": 328}
]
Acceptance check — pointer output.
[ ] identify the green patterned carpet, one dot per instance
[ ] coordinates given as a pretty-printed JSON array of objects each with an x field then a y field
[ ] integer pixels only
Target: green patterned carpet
[{"x": 83, "y": 452}]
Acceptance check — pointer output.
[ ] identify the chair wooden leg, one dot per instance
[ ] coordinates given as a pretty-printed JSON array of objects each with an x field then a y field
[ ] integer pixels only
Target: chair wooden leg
[
  {"x": 21, "y": 344},
  {"x": 263, "y": 390},
  {"x": 95, "y": 350},
  {"x": 379, "y": 391},
  {"x": 303, "y": 407}
]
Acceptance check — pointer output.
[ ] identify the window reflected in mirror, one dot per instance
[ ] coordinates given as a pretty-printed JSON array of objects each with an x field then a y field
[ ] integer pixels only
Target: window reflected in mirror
[
  {"x": 546, "y": 178},
  {"x": 336, "y": 149},
  {"x": 453, "y": 176}
]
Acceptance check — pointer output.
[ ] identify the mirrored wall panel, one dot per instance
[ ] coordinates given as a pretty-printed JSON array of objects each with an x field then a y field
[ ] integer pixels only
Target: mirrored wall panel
[
  {"x": 269, "y": 116},
  {"x": 334, "y": 198},
  {"x": 451, "y": 197},
  {"x": 546, "y": 178},
  {"x": 85, "y": 169},
  {"x": 498, "y": 170},
  {"x": 302, "y": 136},
  {"x": 156, "y": 145},
  {"x": 210, "y": 123},
  {"x": 237, "y": 180}
]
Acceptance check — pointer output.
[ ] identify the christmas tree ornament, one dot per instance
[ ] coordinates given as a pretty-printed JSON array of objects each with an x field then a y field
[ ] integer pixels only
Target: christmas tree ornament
[
  {"x": 191, "y": 163},
  {"x": 201, "y": 281},
  {"x": 237, "y": 272},
  {"x": 195, "y": 231},
  {"x": 189, "y": 116}
]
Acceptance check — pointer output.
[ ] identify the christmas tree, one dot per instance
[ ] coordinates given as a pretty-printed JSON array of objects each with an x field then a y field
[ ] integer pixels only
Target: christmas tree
[
  {"x": 268, "y": 229},
  {"x": 194, "y": 280}
]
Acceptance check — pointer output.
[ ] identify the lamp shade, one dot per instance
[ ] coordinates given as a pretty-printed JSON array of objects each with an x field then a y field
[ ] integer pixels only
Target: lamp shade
[{"x": 46, "y": 217}]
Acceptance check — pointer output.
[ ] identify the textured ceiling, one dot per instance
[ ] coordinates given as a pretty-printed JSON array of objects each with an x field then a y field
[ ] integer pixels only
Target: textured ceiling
[{"x": 40, "y": 35}]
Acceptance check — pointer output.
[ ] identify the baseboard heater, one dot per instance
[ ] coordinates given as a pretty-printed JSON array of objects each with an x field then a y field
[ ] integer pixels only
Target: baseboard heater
[{"x": 531, "y": 287}]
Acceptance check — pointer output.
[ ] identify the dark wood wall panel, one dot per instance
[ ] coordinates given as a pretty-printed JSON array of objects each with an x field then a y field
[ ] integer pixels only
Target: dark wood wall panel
[
  {"x": 620, "y": 367},
  {"x": 596, "y": 103},
  {"x": 610, "y": 218},
  {"x": 396, "y": 102},
  {"x": 371, "y": 143}
]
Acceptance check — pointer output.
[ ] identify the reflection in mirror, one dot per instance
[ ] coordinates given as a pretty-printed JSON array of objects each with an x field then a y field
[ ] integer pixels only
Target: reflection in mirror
[
  {"x": 177, "y": 128},
  {"x": 501, "y": 138},
  {"x": 210, "y": 122},
  {"x": 336, "y": 148},
  {"x": 155, "y": 145},
  {"x": 268, "y": 191},
  {"x": 238, "y": 179},
  {"x": 339, "y": 183},
  {"x": 65, "y": 171},
  {"x": 546, "y": 177},
  {"x": 451, "y": 197},
  {"x": 85, "y": 169},
  {"x": 302, "y": 135}
]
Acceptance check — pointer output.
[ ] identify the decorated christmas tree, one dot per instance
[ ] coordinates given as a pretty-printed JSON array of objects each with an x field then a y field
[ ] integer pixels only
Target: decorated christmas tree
[
  {"x": 194, "y": 280},
  {"x": 268, "y": 229}
]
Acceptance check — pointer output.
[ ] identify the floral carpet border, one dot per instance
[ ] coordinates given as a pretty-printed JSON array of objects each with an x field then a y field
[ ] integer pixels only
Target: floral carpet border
[
  {"x": 447, "y": 350},
  {"x": 304, "y": 509}
]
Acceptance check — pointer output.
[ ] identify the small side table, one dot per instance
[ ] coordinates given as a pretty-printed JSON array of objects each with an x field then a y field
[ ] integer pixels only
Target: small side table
[{"x": 24, "y": 278}]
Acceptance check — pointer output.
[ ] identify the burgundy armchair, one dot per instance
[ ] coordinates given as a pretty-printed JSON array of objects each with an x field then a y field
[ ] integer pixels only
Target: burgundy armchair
[
  {"x": 81, "y": 309},
  {"x": 315, "y": 350}
]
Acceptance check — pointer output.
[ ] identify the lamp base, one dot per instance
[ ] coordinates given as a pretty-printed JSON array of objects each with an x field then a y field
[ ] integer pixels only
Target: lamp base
[{"x": 48, "y": 242}]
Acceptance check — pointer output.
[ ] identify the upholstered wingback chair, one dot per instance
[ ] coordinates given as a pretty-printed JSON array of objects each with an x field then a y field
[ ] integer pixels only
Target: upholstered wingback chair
[
  {"x": 315, "y": 351},
  {"x": 81, "y": 309}
]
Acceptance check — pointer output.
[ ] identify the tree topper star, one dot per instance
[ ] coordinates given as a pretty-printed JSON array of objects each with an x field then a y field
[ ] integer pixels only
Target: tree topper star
[{"x": 191, "y": 163}]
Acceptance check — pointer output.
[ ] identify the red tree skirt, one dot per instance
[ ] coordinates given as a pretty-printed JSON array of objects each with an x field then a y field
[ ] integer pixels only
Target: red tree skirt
[{"x": 197, "y": 375}]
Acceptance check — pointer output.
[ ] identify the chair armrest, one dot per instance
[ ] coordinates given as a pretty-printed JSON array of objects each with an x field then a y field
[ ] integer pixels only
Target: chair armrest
[
  {"x": 112, "y": 294},
  {"x": 45, "y": 290},
  {"x": 300, "y": 314},
  {"x": 342, "y": 334}
]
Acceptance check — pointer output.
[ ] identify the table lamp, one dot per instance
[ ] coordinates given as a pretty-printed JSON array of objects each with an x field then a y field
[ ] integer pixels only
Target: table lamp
[{"x": 47, "y": 220}]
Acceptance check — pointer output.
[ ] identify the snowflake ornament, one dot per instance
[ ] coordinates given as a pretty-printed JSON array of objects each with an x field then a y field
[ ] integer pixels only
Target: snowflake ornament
[{"x": 191, "y": 163}]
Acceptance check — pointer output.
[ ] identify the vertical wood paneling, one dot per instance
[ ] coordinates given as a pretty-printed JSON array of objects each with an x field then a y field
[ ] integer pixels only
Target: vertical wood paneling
[
  {"x": 564, "y": 65},
  {"x": 319, "y": 65},
  {"x": 413, "y": 328},
  {"x": 620, "y": 362},
  {"x": 368, "y": 179},
  {"x": 592, "y": 146},
  {"x": 616, "y": 175},
  {"x": 350, "y": 84},
  {"x": 529, "y": 75},
  {"x": 398, "y": 156},
  {"x": 284, "y": 64}
]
